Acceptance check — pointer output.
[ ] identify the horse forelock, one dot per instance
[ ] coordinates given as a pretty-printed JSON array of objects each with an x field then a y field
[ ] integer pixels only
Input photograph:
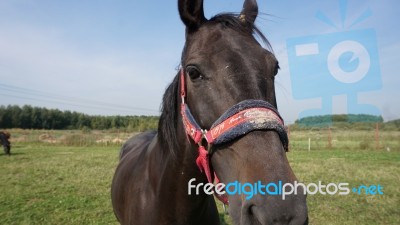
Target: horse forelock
[{"x": 234, "y": 21}]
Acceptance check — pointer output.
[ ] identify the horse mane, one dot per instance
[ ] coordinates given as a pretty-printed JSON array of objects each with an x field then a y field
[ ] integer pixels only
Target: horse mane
[{"x": 168, "y": 123}]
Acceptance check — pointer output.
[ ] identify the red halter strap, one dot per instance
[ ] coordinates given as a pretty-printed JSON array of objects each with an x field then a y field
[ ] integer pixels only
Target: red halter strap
[{"x": 194, "y": 131}]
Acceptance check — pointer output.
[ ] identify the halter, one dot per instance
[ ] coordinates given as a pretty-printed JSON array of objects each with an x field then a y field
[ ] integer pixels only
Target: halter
[{"x": 240, "y": 119}]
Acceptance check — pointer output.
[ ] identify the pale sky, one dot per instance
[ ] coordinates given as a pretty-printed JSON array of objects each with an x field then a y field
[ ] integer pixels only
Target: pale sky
[{"x": 117, "y": 57}]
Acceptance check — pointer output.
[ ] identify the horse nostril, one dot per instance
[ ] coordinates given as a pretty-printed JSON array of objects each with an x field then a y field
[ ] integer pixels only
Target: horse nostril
[
  {"x": 250, "y": 210},
  {"x": 263, "y": 216},
  {"x": 252, "y": 215}
]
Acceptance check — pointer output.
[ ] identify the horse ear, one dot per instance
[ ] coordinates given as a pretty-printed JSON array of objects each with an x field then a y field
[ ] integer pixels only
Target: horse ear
[
  {"x": 192, "y": 13},
  {"x": 249, "y": 11}
]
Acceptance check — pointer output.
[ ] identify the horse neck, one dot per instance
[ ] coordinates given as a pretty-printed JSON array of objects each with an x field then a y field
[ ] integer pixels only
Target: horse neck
[
  {"x": 181, "y": 162},
  {"x": 173, "y": 190}
]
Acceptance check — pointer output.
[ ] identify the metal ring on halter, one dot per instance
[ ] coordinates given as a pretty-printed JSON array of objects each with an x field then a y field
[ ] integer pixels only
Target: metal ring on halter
[{"x": 225, "y": 209}]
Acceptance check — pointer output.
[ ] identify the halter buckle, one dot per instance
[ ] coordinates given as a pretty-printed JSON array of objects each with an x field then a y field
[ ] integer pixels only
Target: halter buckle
[{"x": 225, "y": 209}]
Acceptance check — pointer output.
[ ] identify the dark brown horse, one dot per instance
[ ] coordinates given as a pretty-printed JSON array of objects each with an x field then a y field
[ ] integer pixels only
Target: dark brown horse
[
  {"x": 5, "y": 142},
  {"x": 226, "y": 75}
]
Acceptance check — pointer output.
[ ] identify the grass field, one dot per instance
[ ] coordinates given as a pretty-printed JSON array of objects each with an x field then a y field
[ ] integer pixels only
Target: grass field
[
  {"x": 50, "y": 182},
  {"x": 57, "y": 185}
]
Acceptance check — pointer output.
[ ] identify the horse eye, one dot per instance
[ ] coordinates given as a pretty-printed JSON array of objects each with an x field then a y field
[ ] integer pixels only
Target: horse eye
[
  {"x": 277, "y": 67},
  {"x": 193, "y": 73}
]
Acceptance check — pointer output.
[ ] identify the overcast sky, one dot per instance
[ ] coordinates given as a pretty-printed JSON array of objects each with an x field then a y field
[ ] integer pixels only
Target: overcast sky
[{"x": 117, "y": 57}]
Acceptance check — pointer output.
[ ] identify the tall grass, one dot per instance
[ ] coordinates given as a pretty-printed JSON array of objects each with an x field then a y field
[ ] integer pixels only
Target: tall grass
[
  {"x": 345, "y": 140},
  {"x": 78, "y": 138}
]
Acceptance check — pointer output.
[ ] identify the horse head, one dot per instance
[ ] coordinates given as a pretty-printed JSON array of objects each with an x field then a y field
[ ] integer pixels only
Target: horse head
[{"x": 225, "y": 68}]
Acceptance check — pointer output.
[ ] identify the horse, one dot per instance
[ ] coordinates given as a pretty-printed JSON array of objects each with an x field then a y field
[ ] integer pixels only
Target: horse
[
  {"x": 4, "y": 140},
  {"x": 219, "y": 122}
]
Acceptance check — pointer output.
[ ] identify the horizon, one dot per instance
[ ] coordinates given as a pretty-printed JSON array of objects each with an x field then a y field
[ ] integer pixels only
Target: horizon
[{"x": 138, "y": 115}]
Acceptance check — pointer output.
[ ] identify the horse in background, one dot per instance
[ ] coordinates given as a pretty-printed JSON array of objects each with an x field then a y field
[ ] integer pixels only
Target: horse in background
[{"x": 5, "y": 141}]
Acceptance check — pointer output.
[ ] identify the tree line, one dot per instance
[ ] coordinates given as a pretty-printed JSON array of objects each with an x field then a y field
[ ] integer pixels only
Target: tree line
[
  {"x": 345, "y": 121},
  {"x": 29, "y": 117},
  {"x": 339, "y": 118}
]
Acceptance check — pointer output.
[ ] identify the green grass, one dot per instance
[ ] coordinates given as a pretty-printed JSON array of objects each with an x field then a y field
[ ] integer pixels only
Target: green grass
[
  {"x": 57, "y": 185},
  {"x": 44, "y": 183},
  {"x": 356, "y": 168}
]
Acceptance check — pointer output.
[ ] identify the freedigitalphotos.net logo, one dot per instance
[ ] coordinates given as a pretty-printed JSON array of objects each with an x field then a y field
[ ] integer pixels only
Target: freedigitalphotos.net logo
[
  {"x": 344, "y": 63},
  {"x": 281, "y": 189}
]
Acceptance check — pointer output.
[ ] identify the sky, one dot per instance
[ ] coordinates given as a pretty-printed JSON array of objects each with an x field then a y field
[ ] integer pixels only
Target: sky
[{"x": 117, "y": 57}]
